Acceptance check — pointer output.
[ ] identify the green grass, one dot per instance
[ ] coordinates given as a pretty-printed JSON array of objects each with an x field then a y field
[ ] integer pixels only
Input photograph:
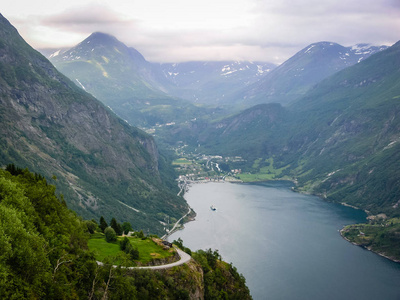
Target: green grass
[
  {"x": 97, "y": 243},
  {"x": 256, "y": 177},
  {"x": 181, "y": 161},
  {"x": 256, "y": 163},
  {"x": 266, "y": 172},
  {"x": 148, "y": 249}
]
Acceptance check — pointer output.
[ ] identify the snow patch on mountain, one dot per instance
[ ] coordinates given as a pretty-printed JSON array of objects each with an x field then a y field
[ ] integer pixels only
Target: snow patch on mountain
[
  {"x": 308, "y": 50},
  {"x": 55, "y": 54}
]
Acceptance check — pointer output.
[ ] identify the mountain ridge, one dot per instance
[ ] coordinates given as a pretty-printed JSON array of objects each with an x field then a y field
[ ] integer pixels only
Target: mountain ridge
[
  {"x": 292, "y": 79},
  {"x": 122, "y": 79}
]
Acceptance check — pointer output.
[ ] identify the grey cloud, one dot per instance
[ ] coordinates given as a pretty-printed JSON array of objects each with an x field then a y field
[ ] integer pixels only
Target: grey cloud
[
  {"x": 86, "y": 16},
  {"x": 278, "y": 29}
]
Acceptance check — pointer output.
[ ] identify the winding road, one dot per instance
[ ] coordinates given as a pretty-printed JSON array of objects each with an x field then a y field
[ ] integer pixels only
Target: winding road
[
  {"x": 184, "y": 258},
  {"x": 176, "y": 224}
]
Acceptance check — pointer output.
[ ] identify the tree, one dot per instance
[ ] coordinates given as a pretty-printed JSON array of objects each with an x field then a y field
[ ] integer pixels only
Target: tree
[
  {"x": 123, "y": 244},
  {"x": 126, "y": 246},
  {"x": 43, "y": 244},
  {"x": 91, "y": 226},
  {"x": 126, "y": 227},
  {"x": 116, "y": 226},
  {"x": 140, "y": 234},
  {"x": 103, "y": 224},
  {"x": 111, "y": 236}
]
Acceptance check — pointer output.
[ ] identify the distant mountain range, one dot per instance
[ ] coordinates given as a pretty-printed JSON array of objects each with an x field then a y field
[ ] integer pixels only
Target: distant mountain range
[
  {"x": 146, "y": 94},
  {"x": 102, "y": 165},
  {"x": 212, "y": 82},
  {"x": 108, "y": 69},
  {"x": 292, "y": 79}
]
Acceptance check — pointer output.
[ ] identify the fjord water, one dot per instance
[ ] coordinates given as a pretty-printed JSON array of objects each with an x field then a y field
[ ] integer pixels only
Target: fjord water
[{"x": 287, "y": 245}]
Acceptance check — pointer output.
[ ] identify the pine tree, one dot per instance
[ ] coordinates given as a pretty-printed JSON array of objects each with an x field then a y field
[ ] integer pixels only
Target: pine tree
[
  {"x": 116, "y": 226},
  {"x": 103, "y": 224}
]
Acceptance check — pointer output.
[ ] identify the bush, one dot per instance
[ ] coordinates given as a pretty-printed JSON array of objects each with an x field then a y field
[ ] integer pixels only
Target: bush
[
  {"x": 110, "y": 234},
  {"x": 126, "y": 246},
  {"x": 126, "y": 227},
  {"x": 91, "y": 226}
]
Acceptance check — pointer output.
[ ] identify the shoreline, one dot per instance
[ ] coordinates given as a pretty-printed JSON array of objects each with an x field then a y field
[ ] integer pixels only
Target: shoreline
[{"x": 367, "y": 248}]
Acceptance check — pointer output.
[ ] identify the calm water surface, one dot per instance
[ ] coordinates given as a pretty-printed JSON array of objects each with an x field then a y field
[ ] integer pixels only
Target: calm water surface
[{"x": 286, "y": 244}]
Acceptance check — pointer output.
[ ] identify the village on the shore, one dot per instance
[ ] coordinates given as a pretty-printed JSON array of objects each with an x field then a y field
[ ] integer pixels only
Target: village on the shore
[{"x": 203, "y": 168}]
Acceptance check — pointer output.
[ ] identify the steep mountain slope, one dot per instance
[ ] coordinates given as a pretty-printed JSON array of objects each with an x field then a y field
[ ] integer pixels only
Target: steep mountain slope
[
  {"x": 297, "y": 75},
  {"x": 122, "y": 79},
  {"x": 51, "y": 126},
  {"x": 350, "y": 133},
  {"x": 341, "y": 141},
  {"x": 212, "y": 82},
  {"x": 246, "y": 133}
]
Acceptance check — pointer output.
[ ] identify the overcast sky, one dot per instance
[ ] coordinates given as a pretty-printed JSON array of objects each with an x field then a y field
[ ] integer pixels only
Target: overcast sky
[{"x": 183, "y": 30}]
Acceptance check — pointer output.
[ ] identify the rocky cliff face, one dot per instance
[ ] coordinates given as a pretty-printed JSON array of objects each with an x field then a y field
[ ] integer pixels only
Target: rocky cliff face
[{"x": 53, "y": 127}]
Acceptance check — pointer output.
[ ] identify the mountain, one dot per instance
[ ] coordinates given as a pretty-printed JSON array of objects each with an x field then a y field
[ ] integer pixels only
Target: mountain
[
  {"x": 340, "y": 140},
  {"x": 246, "y": 133},
  {"x": 102, "y": 165},
  {"x": 349, "y": 138},
  {"x": 297, "y": 75},
  {"x": 122, "y": 79},
  {"x": 212, "y": 82}
]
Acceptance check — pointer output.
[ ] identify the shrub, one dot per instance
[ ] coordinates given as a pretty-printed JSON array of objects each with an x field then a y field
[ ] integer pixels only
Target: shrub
[
  {"x": 91, "y": 226},
  {"x": 110, "y": 234},
  {"x": 126, "y": 246}
]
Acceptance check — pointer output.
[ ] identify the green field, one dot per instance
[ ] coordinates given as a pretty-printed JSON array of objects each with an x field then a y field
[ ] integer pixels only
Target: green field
[
  {"x": 148, "y": 249},
  {"x": 181, "y": 161},
  {"x": 256, "y": 177},
  {"x": 264, "y": 170}
]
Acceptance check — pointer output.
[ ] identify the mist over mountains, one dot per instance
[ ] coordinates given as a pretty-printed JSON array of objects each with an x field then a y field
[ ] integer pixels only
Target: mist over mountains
[{"x": 230, "y": 83}]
